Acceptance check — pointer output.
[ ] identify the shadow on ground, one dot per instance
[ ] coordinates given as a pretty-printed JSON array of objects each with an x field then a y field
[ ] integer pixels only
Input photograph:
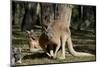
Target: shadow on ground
[{"x": 35, "y": 55}]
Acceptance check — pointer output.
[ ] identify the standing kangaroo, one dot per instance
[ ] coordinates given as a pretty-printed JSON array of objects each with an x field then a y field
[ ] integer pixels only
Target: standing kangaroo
[{"x": 58, "y": 33}]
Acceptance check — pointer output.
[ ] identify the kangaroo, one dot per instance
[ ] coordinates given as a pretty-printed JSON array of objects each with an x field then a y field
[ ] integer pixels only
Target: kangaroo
[
  {"x": 33, "y": 42},
  {"x": 16, "y": 56},
  {"x": 58, "y": 33}
]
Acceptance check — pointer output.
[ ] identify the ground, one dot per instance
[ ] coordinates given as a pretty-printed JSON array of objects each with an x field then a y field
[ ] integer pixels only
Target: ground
[{"x": 82, "y": 41}]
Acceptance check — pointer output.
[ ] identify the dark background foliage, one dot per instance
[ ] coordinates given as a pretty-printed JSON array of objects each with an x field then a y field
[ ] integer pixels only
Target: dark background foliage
[{"x": 24, "y": 14}]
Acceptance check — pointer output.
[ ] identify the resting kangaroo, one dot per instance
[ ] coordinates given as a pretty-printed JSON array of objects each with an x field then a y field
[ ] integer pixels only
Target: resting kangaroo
[
  {"x": 58, "y": 33},
  {"x": 32, "y": 42}
]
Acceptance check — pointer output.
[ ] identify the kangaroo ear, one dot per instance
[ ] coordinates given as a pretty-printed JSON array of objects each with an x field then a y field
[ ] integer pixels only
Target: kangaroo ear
[
  {"x": 32, "y": 31},
  {"x": 28, "y": 32},
  {"x": 15, "y": 50},
  {"x": 20, "y": 49},
  {"x": 44, "y": 28}
]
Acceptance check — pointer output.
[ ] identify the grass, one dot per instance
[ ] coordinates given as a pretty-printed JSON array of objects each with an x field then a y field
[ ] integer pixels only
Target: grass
[
  {"x": 41, "y": 58},
  {"x": 82, "y": 41}
]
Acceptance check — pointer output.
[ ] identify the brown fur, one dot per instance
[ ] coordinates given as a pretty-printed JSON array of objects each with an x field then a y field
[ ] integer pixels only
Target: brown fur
[
  {"x": 58, "y": 33},
  {"x": 33, "y": 42}
]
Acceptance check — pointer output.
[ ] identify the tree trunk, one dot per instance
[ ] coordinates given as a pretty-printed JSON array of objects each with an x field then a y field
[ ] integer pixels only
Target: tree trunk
[{"x": 47, "y": 14}]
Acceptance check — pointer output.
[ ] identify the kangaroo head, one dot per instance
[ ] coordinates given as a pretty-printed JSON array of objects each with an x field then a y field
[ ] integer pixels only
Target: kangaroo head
[
  {"x": 49, "y": 32},
  {"x": 29, "y": 34}
]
